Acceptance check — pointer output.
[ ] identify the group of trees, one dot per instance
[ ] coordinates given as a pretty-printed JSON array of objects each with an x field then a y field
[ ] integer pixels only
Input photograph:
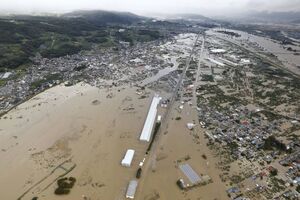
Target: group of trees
[
  {"x": 22, "y": 37},
  {"x": 64, "y": 185},
  {"x": 271, "y": 142},
  {"x": 138, "y": 35}
]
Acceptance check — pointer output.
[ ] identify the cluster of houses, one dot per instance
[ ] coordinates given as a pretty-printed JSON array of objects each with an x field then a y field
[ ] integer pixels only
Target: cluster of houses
[
  {"x": 247, "y": 130},
  {"x": 100, "y": 68}
]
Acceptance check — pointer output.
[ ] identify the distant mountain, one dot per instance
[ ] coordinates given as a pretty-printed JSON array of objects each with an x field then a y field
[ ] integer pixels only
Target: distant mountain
[
  {"x": 189, "y": 17},
  {"x": 101, "y": 17},
  {"x": 273, "y": 17},
  {"x": 194, "y": 17},
  {"x": 297, "y": 21}
]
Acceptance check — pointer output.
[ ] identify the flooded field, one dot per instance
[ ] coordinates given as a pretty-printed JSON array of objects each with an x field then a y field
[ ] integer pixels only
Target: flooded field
[
  {"x": 80, "y": 130},
  {"x": 83, "y": 131}
]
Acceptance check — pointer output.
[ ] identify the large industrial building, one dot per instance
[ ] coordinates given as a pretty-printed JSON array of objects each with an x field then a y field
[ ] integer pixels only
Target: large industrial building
[{"x": 149, "y": 123}]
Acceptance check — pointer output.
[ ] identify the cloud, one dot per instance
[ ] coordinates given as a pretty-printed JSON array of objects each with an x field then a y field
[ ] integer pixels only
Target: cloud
[
  {"x": 208, "y": 7},
  {"x": 274, "y": 5}
]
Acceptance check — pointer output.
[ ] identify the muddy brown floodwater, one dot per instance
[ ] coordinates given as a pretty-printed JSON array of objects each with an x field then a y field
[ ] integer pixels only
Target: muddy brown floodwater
[
  {"x": 178, "y": 143},
  {"x": 88, "y": 128}
]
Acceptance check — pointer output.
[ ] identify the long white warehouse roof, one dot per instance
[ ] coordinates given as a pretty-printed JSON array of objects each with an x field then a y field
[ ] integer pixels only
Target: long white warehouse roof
[
  {"x": 218, "y": 50},
  {"x": 216, "y": 62},
  {"x": 126, "y": 162},
  {"x": 148, "y": 126}
]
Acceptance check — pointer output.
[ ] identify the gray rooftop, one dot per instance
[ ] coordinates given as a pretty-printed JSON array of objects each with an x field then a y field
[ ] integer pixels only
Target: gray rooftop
[
  {"x": 190, "y": 173},
  {"x": 131, "y": 189}
]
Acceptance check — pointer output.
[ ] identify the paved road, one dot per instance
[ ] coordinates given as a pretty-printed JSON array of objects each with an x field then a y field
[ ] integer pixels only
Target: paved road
[{"x": 196, "y": 83}]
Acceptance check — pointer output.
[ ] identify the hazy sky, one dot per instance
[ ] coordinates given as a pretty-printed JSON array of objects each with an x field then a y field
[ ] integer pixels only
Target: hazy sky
[{"x": 206, "y": 7}]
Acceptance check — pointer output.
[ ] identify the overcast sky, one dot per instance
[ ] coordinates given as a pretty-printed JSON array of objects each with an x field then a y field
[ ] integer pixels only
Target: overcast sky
[{"x": 205, "y": 7}]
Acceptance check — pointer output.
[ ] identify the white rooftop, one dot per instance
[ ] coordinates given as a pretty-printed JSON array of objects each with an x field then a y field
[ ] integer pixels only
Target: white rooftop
[
  {"x": 6, "y": 75},
  {"x": 216, "y": 62},
  {"x": 148, "y": 126},
  {"x": 126, "y": 162},
  {"x": 218, "y": 50},
  {"x": 245, "y": 61}
]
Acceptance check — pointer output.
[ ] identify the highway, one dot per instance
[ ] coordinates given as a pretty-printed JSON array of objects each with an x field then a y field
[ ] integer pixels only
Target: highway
[{"x": 198, "y": 72}]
